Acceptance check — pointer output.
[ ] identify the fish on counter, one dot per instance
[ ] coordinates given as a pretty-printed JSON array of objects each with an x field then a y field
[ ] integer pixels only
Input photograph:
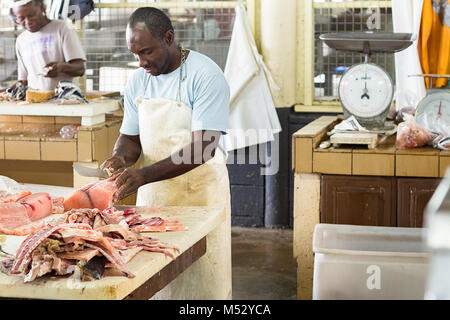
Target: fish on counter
[
  {"x": 23, "y": 212},
  {"x": 116, "y": 224},
  {"x": 86, "y": 243},
  {"x": 69, "y": 93},
  {"x": 102, "y": 195},
  {"x": 15, "y": 93},
  {"x": 92, "y": 239},
  {"x": 66, "y": 92},
  {"x": 156, "y": 224},
  {"x": 128, "y": 217},
  {"x": 61, "y": 248},
  {"x": 98, "y": 194},
  {"x": 12, "y": 197}
]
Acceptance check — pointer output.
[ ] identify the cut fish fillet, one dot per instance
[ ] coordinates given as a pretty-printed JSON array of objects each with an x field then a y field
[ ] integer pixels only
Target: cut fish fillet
[
  {"x": 13, "y": 215},
  {"x": 22, "y": 217},
  {"x": 39, "y": 205},
  {"x": 99, "y": 194},
  {"x": 23, "y": 230}
]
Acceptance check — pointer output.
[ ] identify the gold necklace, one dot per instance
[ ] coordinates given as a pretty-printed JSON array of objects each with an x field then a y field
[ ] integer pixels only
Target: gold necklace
[{"x": 182, "y": 61}]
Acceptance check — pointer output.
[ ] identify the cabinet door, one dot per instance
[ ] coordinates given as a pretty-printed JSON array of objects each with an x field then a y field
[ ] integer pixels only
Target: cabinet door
[
  {"x": 358, "y": 200},
  {"x": 413, "y": 196}
]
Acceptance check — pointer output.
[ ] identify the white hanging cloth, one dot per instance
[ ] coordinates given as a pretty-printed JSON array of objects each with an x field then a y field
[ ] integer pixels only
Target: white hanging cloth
[
  {"x": 59, "y": 9},
  {"x": 253, "y": 117},
  {"x": 406, "y": 16}
]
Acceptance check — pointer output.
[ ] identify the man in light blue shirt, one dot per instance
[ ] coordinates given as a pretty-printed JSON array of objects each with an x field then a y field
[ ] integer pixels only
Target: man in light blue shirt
[
  {"x": 176, "y": 109},
  {"x": 204, "y": 89}
]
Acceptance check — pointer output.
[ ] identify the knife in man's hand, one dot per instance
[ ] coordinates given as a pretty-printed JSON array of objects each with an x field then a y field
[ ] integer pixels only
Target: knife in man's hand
[{"x": 90, "y": 172}]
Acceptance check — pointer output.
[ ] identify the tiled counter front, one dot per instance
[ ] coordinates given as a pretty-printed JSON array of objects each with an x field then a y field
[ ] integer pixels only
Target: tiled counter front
[{"x": 32, "y": 150}]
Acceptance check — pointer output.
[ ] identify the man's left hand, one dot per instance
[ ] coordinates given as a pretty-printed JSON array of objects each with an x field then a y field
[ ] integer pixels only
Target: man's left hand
[{"x": 129, "y": 181}]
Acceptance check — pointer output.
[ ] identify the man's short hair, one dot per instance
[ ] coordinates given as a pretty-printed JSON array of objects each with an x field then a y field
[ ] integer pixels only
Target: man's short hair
[{"x": 156, "y": 21}]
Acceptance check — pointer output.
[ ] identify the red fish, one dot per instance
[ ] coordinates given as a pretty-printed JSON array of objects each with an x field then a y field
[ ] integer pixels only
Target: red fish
[
  {"x": 99, "y": 194},
  {"x": 21, "y": 217},
  {"x": 38, "y": 205}
]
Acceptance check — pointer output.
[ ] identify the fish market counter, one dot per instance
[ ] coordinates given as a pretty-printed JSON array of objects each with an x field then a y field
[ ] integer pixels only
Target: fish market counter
[
  {"x": 89, "y": 113},
  {"x": 152, "y": 270},
  {"x": 33, "y": 151},
  {"x": 380, "y": 186}
]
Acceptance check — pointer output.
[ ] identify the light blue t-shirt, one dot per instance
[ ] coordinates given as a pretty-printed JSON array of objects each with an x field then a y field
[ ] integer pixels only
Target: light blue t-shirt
[{"x": 204, "y": 88}]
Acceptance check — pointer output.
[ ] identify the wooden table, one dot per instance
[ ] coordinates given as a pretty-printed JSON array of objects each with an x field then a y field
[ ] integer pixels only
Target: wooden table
[
  {"x": 153, "y": 271},
  {"x": 385, "y": 162}
]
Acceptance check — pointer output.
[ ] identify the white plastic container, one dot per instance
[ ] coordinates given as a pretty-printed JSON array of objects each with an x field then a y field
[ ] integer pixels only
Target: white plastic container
[{"x": 367, "y": 262}]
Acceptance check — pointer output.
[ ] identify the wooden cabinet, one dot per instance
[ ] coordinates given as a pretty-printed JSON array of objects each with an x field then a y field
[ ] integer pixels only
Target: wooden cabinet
[
  {"x": 375, "y": 201},
  {"x": 358, "y": 200},
  {"x": 413, "y": 195}
]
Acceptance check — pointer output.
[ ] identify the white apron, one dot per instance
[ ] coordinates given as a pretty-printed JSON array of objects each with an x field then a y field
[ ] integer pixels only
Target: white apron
[{"x": 165, "y": 127}]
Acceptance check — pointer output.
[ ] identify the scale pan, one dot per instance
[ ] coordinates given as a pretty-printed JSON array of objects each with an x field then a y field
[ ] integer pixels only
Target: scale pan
[{"x": 368, "y": 42}]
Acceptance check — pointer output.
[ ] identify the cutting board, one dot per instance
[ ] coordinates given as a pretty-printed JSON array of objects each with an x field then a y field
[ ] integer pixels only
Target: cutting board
[
  {"x": 90, "y": 113},
  {"x": 200, "y": 221},
  {"x": 344, "y": 138}
]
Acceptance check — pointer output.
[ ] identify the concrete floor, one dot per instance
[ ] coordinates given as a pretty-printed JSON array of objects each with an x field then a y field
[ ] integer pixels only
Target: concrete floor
[{"x": 263, "y": 267}]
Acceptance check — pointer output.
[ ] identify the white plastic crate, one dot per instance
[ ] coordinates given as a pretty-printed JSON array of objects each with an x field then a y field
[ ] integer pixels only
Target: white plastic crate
[{"x": 367, "y": 262}]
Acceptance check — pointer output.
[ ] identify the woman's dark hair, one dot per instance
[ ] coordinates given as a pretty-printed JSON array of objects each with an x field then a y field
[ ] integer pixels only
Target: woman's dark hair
[{"x": 156, "y": 21}]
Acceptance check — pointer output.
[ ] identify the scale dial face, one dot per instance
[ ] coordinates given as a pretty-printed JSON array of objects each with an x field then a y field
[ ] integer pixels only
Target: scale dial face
[
  {"x": 433, "y": 112},
  {"x": 365, "y": 90}
]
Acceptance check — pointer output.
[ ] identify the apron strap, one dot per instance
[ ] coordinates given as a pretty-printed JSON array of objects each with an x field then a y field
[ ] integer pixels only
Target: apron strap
[{"x": 146, "y": 83}]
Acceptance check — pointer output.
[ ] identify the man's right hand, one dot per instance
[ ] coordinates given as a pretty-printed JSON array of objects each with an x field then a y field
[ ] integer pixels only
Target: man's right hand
[
  {"x": 114, "y": 164},
  {"x": 126, "y": 152}
]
